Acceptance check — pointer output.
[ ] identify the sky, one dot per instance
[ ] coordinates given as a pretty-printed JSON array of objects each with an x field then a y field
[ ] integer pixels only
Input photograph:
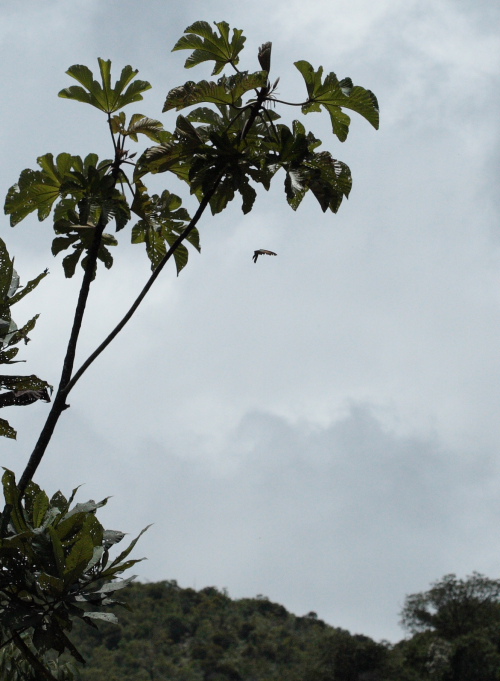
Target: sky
[{"x": 321, "y": 428}]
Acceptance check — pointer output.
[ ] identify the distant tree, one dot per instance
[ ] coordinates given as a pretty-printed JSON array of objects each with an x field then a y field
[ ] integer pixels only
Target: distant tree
[
  {"x": 454, "y": 607},
  {"x": 456, "y": 627},
  {"x": 343, "y": 657},
  {"x": 230, "y": 143}
]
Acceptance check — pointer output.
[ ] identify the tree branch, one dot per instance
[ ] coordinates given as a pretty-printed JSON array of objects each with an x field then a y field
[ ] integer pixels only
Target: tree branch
[
  {"x": 29, "y": 655},
  {"x": 201, "y": 208},
  {"x": 59, "y": 403}
]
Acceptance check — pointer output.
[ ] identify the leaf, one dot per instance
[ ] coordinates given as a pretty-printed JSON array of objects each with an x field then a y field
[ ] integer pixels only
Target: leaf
[
  {"x": 87, "y": 507},
  {"x": 150, "y": 127},
  {"x": 8, "y": 356},
  {"x": 96, "y": 557},
  {"x": 181, "y": 253},
  {"x": 112, "y": 586},
  {"x": 40, "y": 508},
  {"x": 32, "y": 284},
  {"x": 121, "y": 567},
  {"x": 58, "y": 551},
  {"x": 59, "y": 501},
  {"x": 328, "y": 179},
  {"x": 227, "y": 90},
  {"x": 111, "y": 537},
  {"x": 21, "y": 334},
  {"x": 248, "y": 194},
  {"x": 54, "y": 586},
  {"x": 129, "y": 548},
  {"x": 70, "y": 262},
  {"x": 20, "y": 383},
  {"x": 6, "y": 273},
  {"x": 11, "y": 496},
  {"x": 334, "y": 94},
  {"x": 6, "y": 430},
  {"x": 77, "y": 559},
  {"x": 333, "y": 183},
  {"x": 264, "y": 56},
  {"x": 61, "y": 243},
  {"x": 37, "y": 190},
  {"x": 69, "y": 527},
  {"x": 102, "y": 616},
  {"x": 104, "y": 97},
  {"x": 163, "y": 221},
  {"x": 208, "y": 46}
]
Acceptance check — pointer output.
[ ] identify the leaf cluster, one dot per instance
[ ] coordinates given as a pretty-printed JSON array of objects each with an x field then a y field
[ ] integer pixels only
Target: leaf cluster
[
  {"x": 56, "y": 567},
  {"x": 21, "y": 390},
  {"x": 219, "y": 150},
  {"x": 162, "y": 221},
  {"x": 86, "y": 197},
  {"x": 238, "y": 143}
]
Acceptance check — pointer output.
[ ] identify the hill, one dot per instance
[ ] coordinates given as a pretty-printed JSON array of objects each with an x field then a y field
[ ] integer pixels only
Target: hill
[{"x": 186, "y": 635}]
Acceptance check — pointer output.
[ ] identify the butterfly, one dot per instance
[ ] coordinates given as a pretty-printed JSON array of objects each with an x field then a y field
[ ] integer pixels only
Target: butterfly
[{"x": 262, "y": 251}]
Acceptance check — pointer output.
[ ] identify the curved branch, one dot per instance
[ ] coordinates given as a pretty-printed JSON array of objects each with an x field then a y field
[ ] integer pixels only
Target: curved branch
[{"x": 201, "y": 208}]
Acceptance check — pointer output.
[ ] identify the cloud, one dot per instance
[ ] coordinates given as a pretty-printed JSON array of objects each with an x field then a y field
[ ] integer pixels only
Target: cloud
[{"x": 344, "y": 519}]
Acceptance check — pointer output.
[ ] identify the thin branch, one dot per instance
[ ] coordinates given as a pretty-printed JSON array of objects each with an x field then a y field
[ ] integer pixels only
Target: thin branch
[
  {"x": 59, "y": 403},
  {"x": 112, "y": 135},
  {"x": 201, "y": 208}
]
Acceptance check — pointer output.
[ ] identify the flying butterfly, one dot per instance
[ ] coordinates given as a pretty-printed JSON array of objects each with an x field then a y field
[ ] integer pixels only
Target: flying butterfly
[{"x": 262, "y": 251}]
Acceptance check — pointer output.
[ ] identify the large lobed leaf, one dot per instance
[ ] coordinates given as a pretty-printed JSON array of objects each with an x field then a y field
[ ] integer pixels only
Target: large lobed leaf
[
  {"x": 208, "y": 46},
  {"x": 227, "y": 90},
  {"x": 139, "y": 124},
  {"x": 162, "y": 222},
  {"x": 104, "y": 97},
  {"x": 333, "y": 94}
]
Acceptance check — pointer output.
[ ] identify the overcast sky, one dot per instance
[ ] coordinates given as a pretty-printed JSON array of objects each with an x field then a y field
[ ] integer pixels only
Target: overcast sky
[{"x": 322, "y": 427}]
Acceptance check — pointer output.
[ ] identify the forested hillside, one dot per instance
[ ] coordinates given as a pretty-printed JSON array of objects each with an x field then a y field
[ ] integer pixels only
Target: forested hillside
[
  {"x": 187, "y": 635},
  {"x": 175, "y": 634}
]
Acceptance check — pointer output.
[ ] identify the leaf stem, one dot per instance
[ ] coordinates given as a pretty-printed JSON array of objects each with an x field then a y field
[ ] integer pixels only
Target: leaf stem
[{"x": 281, "y": 101}]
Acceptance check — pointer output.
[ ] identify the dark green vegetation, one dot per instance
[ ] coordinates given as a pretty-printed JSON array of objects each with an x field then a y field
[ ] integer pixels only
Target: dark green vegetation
[
  {"x": 182, "y": 634},
  {"x": 179, "y": 634}
]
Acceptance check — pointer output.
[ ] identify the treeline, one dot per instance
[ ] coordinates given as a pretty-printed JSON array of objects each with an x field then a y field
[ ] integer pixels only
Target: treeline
[{"x": 185, "y": 635}]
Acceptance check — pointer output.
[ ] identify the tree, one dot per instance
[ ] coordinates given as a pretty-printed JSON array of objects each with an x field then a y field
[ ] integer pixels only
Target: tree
[
  {"x": 454, "y": 607},
  {"x": 455, "y": 625},
  {"x": 227, "y": 145}
]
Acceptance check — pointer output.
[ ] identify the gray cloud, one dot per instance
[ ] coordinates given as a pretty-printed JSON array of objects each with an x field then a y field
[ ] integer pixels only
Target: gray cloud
[{"x": 344, "y": 519}]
